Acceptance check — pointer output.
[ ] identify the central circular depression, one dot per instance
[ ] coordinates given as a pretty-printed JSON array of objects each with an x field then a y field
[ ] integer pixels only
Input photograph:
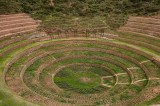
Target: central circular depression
[{"x": 81, "y": 79}]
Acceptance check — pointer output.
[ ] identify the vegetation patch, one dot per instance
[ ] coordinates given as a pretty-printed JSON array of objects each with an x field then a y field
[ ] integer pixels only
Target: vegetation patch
[
  {"x": 80, "y": 79},
  {"x": 79, "y": 71}
]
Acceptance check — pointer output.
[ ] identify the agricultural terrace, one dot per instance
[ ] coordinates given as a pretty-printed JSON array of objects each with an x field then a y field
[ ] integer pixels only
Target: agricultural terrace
[{"x": 91, "y": 69}]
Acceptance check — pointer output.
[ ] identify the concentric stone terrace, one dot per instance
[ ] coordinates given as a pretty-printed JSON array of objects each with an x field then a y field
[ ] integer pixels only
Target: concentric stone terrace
[{"x": 82, "y": 71}]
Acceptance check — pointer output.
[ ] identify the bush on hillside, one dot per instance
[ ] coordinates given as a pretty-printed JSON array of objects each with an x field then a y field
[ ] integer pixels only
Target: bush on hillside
[{"x": 9, "y": 6}]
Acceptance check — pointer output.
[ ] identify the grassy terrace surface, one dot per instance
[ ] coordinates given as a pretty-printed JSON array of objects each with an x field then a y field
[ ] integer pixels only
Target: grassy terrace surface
[{"x": 87, "y": 71}]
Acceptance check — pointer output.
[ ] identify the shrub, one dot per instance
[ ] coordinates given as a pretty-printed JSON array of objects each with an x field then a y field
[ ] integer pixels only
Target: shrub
[{"x": 9, "y": 6}]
